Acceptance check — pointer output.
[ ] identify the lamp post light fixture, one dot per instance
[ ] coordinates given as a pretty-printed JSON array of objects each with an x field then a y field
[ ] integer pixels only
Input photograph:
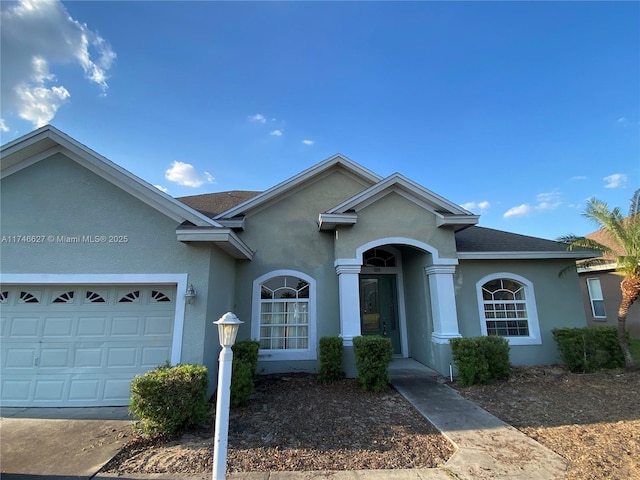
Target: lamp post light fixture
[
  {"x": 190, "y": 294},
  {"x": 228, "y": 326}
]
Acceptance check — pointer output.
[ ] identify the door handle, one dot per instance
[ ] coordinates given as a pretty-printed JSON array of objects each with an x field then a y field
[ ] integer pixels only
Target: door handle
[{"x": 384, "y": 328}]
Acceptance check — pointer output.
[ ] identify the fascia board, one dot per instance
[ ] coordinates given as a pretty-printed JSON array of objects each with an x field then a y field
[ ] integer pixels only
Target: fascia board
[
  {"x": 443, "y": 220},
  {"x": 299, "y": 179},
  {"x": 408, "y": 189},
  {"x": 104, "y": 168},
  {"x": 329, "y": 221},
  {"x": 224, "y": 238},
  {"x": 235, "y": 223},
  {"x": 598, "y": 268},
  {"x": 523, "y": 255}
]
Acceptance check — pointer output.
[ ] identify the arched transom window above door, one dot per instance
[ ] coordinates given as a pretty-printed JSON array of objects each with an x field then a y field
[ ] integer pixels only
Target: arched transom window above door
[{"x": 378, "y": 257}]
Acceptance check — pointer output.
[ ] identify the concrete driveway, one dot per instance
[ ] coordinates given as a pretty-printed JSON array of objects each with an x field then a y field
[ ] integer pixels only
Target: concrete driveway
[{"x": 59, "y": 443}]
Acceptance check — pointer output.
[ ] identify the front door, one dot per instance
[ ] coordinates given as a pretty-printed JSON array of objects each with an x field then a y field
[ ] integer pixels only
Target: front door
[{"x": 378, "y": 308}]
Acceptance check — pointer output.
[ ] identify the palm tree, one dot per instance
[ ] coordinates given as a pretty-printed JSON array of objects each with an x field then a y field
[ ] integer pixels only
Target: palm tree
[{"x": 622, "y": 246}]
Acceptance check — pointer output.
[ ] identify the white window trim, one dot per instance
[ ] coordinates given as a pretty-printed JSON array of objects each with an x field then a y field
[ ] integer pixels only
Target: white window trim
[
  {"x": 178, "y": 279},
  {"x": 592, "y": 298},
  {"x": 534, "y": 337},
  {"x": 310, "y": 353}
]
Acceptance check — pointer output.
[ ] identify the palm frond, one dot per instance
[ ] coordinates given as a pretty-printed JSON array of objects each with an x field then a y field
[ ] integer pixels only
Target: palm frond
[{"x": 634, "y": 208}]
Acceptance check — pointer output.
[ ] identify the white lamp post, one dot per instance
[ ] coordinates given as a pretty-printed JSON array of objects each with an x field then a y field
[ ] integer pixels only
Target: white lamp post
[{"x": 228, "y": 326}]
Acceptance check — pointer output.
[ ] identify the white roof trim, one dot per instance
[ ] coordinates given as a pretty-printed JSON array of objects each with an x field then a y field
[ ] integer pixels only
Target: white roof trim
[
  {"x": 598, "y": 268},
  {"x": 224, "y": 238},
  {"x": 299, "y": 179},
  {"x": 448, "y": 212},
  {"x": 48, "y": 140},
  {"x": 329, "y": 221},
  {"x": 531, "y": 255}
]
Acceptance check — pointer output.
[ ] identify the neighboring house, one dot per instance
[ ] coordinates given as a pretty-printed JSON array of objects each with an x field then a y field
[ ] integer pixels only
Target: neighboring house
[
  {"x": 95, "y": 264},
  {"x": 600, "y": 285}
]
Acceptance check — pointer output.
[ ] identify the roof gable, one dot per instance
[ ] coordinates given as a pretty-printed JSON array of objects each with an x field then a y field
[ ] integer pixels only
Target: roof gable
[
  {"x": 48, "y": 140},
  {"x": 446, "y": 212},
  {"x": 363, "y": 175}
]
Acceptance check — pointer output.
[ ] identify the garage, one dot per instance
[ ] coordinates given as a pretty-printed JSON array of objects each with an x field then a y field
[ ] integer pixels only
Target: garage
[{"x": 80, "y": 345}]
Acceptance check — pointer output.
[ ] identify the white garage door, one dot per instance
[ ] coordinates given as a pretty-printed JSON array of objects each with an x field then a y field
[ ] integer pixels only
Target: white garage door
[{"x": 81, "y": 345}]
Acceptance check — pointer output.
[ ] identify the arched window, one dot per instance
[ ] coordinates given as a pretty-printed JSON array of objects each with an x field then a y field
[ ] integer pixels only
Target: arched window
[
  {"x": 284, "y": 316},
  {"x": 507, "y": 307}
]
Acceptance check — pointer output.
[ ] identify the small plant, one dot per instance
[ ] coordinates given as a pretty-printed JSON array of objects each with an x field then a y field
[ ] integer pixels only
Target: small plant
[
  {"x": 169, "y": 400},
  {"x": 480, "y": 359},
  {"x": 330, "y": 359},
  {"x": 373, "y": 356},
  {"x": 244, "y": 365},
  {"x": 584, "y": 350}
]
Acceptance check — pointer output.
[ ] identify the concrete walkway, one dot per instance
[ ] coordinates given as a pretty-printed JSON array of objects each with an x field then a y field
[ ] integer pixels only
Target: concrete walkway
[{"x": 488, "y": 448}]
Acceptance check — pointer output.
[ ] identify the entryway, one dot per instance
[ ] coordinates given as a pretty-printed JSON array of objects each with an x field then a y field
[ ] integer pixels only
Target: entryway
[{"x": 379, "y": 308}]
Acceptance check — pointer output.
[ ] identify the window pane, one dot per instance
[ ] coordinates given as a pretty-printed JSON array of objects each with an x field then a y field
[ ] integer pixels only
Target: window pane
[{"x": 598, "y": 308}]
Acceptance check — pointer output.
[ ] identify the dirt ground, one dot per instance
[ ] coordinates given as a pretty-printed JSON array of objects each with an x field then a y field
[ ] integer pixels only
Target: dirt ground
[{"x": 294, "y": 423}]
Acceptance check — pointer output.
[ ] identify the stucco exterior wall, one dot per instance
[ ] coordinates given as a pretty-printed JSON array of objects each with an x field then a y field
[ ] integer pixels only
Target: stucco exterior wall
[
  {"x": 58, "y": 198},
  {"x": 418, "y": 306},
  {"x": 382, "y": 220},
  {"x": 558, "y": 302},
  {"x": 285, "y": 236},
  {"x": 610, "y": 284}
]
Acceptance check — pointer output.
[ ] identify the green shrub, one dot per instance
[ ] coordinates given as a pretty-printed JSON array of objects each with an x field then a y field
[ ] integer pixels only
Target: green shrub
[
  {"x": 169, "y": 400},
  {"x": 330, "y": 359},
  {"x": 480, "y": 359},
  {"x": 373, "y": 355},
  {"x": 587, "y": 349},
  {"x": 244, "y": 365}
]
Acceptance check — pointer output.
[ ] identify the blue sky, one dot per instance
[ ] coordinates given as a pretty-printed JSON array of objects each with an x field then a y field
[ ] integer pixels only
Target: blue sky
[{"x": 518, "y": 111}]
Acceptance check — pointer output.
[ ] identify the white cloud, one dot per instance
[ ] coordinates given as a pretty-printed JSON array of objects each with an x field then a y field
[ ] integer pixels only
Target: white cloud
[
  {"x": 3, "y": 126},
  {"x": 476, "y": 206},
  {"x": 162, "y": 189},
  {"x": 186, "y": 175},
  {"x": 276, "y": 133},
  {"x": 308, "y": 142},
  {"x": 544, "y": 202},
  {"x": 579, "y": 177},
  {"x": 622, "y": 121},
  {"x": 257, "y": 118},
  {"x": 519, "y": 211},
  {"x": 617, "y": 180},
  {"x": 548, "y": 201},
  {"x": 37, "y": 35}
]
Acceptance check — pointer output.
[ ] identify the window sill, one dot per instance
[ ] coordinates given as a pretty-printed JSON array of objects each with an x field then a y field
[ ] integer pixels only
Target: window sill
[
  {"x": 285, "y": 355},
  {"x": 523, "y": 340}
]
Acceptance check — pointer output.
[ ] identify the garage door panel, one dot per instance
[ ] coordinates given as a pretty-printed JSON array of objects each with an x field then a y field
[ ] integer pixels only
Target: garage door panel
[
  {"x": 18, "y": 357},
  {"x": 158, "y": 326},
  {"x": 50, "y": 389},
  {"x": 58, "y": 327},
  {"x": 25, "y": 327},
  {"x": 89, "y": 357},
  {"x": 92, "y": 326},
  {"x": 155, "y": 356},
  {"x": 85, "y": 390},
  {"x": 55, "y": 357},
  {"x": 82, "y": 345},
  {"x": 126, "y": 326},
  {"x": 16, "y": 389},
  {"x": 117, "y": 391}
]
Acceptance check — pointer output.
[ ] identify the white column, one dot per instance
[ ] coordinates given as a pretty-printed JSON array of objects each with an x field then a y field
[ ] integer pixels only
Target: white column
[
  {"x": 348, "y": 271},
  {"x": 443, "y": 303}
]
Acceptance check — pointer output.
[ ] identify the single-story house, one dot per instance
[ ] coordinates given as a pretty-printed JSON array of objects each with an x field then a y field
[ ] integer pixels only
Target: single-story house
[
  {"x": 600, "y": 285},
  {"x": 95, "y": 265}
]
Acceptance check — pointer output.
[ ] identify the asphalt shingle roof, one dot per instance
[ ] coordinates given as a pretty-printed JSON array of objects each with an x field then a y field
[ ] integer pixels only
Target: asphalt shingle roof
[
  {"x": 481, "y": 239},
  {"x": 212, "y": 204}
]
